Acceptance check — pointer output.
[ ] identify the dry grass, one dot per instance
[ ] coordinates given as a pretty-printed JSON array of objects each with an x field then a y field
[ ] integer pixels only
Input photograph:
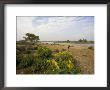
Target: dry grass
[{"x": 84, "y": 57}]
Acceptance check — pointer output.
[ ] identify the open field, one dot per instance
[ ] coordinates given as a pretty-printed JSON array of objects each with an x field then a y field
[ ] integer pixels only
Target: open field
[{"x": 84, "y": 56}]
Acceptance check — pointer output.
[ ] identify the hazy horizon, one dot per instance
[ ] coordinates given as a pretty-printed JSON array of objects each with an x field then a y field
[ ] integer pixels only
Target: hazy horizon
[{"x": 56, "y": 28}]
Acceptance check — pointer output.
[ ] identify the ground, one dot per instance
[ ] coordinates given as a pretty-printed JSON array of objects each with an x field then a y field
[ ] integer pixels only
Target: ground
[{"x": 84, "y": 56}]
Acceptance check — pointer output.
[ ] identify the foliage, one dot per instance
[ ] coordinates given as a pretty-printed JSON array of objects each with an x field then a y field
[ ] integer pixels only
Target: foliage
[
  {"x": 24, "y": 60},
  {"x": 91, "y": 47},
  {"x": 53, "y": 67},
  {"x": 42, "y": 61},
  {"x": 83, "y": 40},
  {"x": 65, "y": 62},
  {"x": 31, "y": 37},
  {"x": 20, "y": 48},
  {"x": 68, "y": 41},
  {"x": 44, "y": 53}
]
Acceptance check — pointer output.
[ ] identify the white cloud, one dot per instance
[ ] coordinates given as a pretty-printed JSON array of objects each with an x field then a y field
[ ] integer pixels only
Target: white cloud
[{"x": 56, "y": 28}]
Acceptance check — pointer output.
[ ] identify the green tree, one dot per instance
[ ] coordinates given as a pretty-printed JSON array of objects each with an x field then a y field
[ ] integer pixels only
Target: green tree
[
  {"x": 68, "y": 41},
  {"x": 80, "y": 40},
  {"x": 31, "y": 37}
]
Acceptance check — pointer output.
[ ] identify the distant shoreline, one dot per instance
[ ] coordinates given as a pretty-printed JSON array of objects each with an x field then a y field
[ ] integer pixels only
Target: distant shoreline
[{"x": 71, "y": 44}]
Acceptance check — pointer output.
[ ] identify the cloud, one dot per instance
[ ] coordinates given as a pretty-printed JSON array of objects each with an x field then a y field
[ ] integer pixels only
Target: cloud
[{"x": 57, "y": 27}]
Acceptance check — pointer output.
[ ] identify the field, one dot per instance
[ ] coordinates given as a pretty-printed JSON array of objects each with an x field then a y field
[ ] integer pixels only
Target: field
[{"x": 83, "y": 57}]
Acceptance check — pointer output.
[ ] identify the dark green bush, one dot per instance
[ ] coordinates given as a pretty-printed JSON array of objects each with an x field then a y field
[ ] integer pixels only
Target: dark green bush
[
  {"x": 77, "y": 70},
  {"x": 20, "y": 48},
  {"x": 35, "y": 47},
  {"x": 28, "y": 52},
  {"x": 91, "y": 47},
  {"x": 40, "y": 66},
  {"x": 40, "y": 60},
  {"x": 18, "y": 60},
  {"x": 18, "y": 52},
  {"x": 44, "y": 53},
  {"x": 27, "y": 60}
]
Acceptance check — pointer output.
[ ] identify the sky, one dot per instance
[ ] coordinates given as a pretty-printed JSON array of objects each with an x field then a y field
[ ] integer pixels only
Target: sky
[{"x": 56, "y": 28}]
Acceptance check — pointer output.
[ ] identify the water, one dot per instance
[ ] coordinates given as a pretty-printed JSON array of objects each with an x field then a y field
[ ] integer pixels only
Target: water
[
  {"x": 71, "y": 44},
  {"x": 48, "y": 42}
]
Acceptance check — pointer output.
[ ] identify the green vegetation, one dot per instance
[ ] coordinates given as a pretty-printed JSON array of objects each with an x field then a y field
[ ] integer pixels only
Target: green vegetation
[
  {"x": 82, "y": 40},
  {"x": 91, "y": 47},
  {"x": 42, "y": 61},
  {"x": 34, "y": 58},
  {"x": 31, "y": 37},
  {"x": 68, "y": 41},
  {"x": 39, "y": 59}
]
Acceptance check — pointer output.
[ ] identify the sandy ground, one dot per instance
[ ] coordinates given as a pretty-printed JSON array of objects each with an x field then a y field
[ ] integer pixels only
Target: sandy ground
[{"x": 84, "y": 57}]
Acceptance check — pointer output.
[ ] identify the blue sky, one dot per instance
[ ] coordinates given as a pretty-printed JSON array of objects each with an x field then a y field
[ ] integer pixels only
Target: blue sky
[{"x": 50, "y": 28}]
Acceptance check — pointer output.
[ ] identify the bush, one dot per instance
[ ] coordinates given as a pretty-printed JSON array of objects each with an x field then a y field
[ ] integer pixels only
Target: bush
[
  {"x": 18, "y": 52},
  {"x": 20, "y": 48},
  {"x": 91, "y": 47},
  {"x": 43, "y": 62},
  {"x": 61, "y": 64},
  {"x": 40, "y": 60},
  {"x": 44, "y": 53},
  {"x": 26, "y": 61},
  {"x": 18, "y": 60},
  {"x": 39, "y": 66},
  {"x": 28, "y": 51},
  {"x": 53, "y": 67},
  {"x": 63, "y": 56},
  {"x": 35, "y": 47}
]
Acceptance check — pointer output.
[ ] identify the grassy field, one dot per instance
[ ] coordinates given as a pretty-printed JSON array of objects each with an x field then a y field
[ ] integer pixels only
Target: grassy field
[{"x": 83, "y": 57}]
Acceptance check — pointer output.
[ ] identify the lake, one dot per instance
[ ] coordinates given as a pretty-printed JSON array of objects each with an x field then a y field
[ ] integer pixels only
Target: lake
[{"x": 71, "y": 44}]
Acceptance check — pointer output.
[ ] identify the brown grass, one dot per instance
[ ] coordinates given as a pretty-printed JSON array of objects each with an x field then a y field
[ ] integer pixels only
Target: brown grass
[{"x": 84, "y": 57}]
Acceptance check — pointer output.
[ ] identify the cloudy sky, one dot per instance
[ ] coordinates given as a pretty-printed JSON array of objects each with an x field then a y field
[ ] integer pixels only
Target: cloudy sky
[{"x": 53, "y": 28}]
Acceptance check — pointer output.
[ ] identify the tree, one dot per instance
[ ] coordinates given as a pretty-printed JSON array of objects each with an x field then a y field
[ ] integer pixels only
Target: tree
[
  {"x": 83, "y": 40},
  {"x": 68, "y": 41},
  {"x": 31, "y": 37},
  {"x": 25, "y": 38},
  {"x": 80, "y": 40}
]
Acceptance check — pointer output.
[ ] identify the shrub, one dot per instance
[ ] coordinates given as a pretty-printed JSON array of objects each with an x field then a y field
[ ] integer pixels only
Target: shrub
[
  {"x": 53, "y": 67},
  {"x": 28, "y": 51},
  {"x": 77, "y": 70},
  {"x": 40, "y": 66},
  {"x": 62, "y": 63},
  {"x": 20, "y": 48},
  {"x": 43, "y": 62},
  {"x": 26, "y": 61},
  {"x": 63, "y": 49},
  {"x": 44, "y": 53},
  {"x": 35, "y": 47},
  {"x": 63, "y": 56},
  {"x": 40, "y": 59},
  {"x": 18, "y": 60},
  {"x": 91, "y": 47},
  {"x": 18, "y": 52}
]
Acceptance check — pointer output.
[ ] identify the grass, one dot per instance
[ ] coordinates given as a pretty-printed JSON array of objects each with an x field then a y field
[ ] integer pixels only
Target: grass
[{"x": 83, "y": 57}]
